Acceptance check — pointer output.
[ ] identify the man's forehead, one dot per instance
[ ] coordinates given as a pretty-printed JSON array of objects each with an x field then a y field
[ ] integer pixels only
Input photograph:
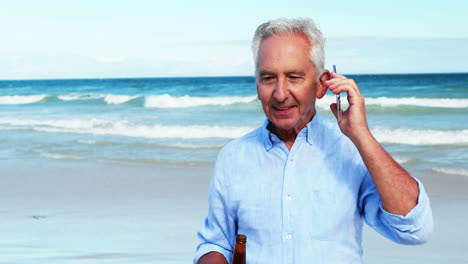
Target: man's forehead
[
  {"x": 292, "y": 44},
  {"x": 287, "y": 72},
  {"x": 284, "y": 52}
]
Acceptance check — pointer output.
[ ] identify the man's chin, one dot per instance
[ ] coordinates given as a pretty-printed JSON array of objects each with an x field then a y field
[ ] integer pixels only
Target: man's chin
[{"x": 283, "y": 124}]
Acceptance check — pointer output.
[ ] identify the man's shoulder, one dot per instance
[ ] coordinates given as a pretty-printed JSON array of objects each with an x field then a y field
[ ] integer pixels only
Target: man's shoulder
[
  {"x": 331, "y": 135},
  {"x": 244, "y": 144},
  {"x": 254, "y": 137}
]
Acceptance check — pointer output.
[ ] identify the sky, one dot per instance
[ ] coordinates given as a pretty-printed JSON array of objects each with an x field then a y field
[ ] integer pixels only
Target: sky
[{"x": 120, "y": 39}]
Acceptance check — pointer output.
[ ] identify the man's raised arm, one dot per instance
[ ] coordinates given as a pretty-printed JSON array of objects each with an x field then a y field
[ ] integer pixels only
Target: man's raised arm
[{"x": 398, "y": 191}]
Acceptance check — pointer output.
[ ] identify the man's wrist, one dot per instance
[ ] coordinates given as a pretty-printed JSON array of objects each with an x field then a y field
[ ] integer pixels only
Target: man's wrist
[{"x": 361, "y": 138}]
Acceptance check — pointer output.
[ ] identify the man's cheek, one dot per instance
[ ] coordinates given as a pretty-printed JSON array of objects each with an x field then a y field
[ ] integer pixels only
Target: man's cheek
[{"x": 263, "y": 99}]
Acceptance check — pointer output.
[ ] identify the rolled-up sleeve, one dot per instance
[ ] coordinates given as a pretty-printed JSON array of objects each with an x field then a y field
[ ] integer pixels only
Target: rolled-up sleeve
[
  {"x": 218, "y": 231},
  {"x": 414, "y": 228}
]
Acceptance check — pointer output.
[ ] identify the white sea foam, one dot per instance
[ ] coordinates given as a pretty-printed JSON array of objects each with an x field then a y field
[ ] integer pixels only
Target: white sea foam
[
  {"x": 421, "y": 137},
  {"x": 193, "y": 146},
  {"x": 78, "y": 96},
  {"x": 21, "y": 99},
  {"x": 168, "y": 101},
  {"x": 402, "y": 160},
  {"x": 458, "y": 172},
  {"x": 394, "y": 102},
  {"x": 424, "y": 102},
  {"x": 60, "y": 156},
  {"x": 108, "y": 98},
  {"x": 68, "y": 124},
  {"x": 86, "y": 142},
  {"x": 118, "y": 99},
  {"x": 125, "y": 128}
]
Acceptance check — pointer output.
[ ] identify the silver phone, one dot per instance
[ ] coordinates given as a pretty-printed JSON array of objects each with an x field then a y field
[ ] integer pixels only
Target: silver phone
[{"x": 338, "y": 101}]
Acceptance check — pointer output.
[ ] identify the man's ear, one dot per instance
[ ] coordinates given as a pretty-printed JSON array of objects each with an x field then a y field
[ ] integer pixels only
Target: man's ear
[{"x": 321, "y": 87}]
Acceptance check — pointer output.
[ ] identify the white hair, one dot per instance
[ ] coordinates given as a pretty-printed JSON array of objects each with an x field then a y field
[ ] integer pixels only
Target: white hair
[{"x": 305, "y": 26}]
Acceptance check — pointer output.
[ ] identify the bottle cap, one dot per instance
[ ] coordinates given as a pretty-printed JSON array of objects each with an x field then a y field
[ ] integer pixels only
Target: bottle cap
[{"x": 241, "y": 239}]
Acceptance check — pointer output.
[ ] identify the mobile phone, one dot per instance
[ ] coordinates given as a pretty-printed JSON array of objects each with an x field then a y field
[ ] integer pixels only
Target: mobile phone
[{"x": 338, "y": 101}]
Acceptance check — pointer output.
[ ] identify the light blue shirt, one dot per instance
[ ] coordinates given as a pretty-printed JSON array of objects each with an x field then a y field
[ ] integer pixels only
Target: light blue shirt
[{"x": 306, "y": 205}]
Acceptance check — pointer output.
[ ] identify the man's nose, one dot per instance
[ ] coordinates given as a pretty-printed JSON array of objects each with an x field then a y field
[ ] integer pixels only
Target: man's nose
[{"x": 281, "y": 90}]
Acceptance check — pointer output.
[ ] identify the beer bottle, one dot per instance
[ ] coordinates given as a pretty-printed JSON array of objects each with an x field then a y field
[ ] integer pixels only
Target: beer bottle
[{"x": 239, "y": 250}]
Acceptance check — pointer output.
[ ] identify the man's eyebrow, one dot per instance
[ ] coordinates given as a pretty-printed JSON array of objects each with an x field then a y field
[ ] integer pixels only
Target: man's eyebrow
[
  {"x": 262, "y": 73},
  {"x": 295, "y": 72}
]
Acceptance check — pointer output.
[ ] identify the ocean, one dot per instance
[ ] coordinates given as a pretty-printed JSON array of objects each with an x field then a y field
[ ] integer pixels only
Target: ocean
[
  {"x": 118, "y": 170},
  {"x": 421, "y": 119}
]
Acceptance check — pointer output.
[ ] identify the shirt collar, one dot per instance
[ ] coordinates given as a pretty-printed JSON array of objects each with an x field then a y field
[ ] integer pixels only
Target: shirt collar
[
  {"x": 310, "y": 132},
  {"x": 267, "y": 140},
  {"x": 314, "y": 127}
]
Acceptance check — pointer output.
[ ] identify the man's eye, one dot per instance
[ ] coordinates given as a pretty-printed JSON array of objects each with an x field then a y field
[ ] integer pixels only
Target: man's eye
[{"x": 267, "y": 78}]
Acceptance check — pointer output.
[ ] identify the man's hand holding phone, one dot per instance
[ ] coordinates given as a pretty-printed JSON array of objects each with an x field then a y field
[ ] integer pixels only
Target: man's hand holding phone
[
  {"x": 338, "y": 102},
  {"x": 352, "y": 122}
]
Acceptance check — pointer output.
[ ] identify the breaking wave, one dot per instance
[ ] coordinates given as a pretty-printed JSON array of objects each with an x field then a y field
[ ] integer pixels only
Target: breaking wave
[
  {"x": 168, "y": 101},
  {"x": 124, "y": 128},
  {"x": 405, "y": 101},
  {"x": 21, "y": 99},
  {"x": 458, "y": 172},
  {"x": 421, "y": 137},
  {"x": 129, "y": 129}
]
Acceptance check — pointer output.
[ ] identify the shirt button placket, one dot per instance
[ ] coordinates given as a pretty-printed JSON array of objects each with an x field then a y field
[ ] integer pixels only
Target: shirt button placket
[
  {"x": 287, "y": 210},
  {"x": 289, "y": 242}
]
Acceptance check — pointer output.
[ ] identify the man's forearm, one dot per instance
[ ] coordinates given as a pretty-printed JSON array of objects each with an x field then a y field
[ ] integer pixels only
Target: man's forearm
[
  {"x": 397, "y": 189},
  {"x": 213, "y": 258}
]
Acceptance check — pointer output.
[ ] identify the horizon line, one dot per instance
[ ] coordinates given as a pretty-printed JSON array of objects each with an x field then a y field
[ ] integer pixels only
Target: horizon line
[{"x": 211, "y": 76}]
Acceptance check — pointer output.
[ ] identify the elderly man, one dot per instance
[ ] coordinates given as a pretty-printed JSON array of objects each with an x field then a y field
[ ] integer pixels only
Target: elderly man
[{"x": 300, "y": 188}]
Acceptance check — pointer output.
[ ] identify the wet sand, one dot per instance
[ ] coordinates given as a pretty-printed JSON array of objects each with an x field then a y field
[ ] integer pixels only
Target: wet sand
[
  {"x": 95, "y": 212},
  {"x": 449, "y": 202},
  {"x": 102, "y": 213}
]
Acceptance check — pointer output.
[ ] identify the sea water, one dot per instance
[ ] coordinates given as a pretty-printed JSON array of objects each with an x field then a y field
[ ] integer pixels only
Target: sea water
[
  {"x": 138, "y": 211},
  {"x": 421, "y": 119}
]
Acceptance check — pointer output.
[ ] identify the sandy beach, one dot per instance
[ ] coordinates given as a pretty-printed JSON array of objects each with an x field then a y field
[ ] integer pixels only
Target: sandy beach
[
  {"x": 76, "y": 212},
  {"x": 108, "y": 212}
]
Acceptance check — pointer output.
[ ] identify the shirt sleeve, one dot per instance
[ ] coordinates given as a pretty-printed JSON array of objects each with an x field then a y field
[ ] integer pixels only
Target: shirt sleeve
[
  {"x": 218, "y": 231},
  {"x": 414, "y": 228}
]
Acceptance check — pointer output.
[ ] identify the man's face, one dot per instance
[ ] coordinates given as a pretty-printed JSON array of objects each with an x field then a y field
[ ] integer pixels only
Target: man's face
[{"x": 286, "y": 83}]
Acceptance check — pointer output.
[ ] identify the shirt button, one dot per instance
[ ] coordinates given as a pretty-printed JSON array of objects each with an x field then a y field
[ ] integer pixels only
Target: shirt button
[
  {"x": 288, "y": 198},
  {"x": 291, "y": 163},
  {"x": 288, "y": 237}
]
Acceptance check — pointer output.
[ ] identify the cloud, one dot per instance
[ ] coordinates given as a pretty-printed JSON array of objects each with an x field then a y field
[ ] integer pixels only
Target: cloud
[
  {"x": 74, "y": 66},
  {"x": 397, "y": 55},
  {"x": 104, "y": 59},
  {"x": 351, "y": 55}
]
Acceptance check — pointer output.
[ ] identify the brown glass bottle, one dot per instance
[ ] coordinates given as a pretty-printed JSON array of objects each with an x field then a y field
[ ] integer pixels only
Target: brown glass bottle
[{"x": 239, "y": 251}]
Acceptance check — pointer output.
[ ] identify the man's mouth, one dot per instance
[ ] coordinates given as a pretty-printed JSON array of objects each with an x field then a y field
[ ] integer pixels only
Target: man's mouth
[{"x": 282, "y": 108}]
